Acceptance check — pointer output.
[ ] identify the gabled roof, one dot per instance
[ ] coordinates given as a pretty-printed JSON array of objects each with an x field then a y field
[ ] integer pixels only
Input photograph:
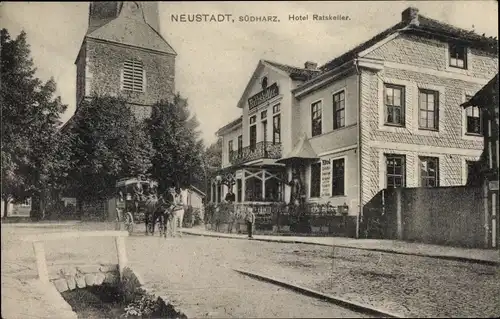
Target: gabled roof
[
  {"x": 301, "y": 151},
  {"x": 231, "y": 124},
  {"x": 425, "y": 25},
  {"x": 294, "y": 72},
  {"x": 197, "y": 190}
]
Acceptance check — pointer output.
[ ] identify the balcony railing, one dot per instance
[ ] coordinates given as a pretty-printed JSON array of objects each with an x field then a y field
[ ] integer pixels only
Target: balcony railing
[{"x": 259, "y": 151}]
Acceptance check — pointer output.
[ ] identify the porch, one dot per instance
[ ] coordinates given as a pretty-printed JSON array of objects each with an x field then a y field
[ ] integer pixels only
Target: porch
[{"x": 250, "y": 184}]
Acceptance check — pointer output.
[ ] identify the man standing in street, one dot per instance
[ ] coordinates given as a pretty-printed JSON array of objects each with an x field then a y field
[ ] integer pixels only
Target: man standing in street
[{"x": 250, "y": 219}]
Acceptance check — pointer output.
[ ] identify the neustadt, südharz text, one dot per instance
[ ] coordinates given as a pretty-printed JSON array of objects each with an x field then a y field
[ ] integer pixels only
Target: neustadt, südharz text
[{"x": 205, "y": 17}]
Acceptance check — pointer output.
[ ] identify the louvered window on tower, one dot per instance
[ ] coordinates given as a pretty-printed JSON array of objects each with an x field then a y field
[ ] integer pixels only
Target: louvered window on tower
[{"x": 133, "y": 76}]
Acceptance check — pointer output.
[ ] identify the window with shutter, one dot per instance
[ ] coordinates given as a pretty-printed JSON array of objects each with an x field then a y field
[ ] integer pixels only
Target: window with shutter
[{"x": 133, "y": 76}]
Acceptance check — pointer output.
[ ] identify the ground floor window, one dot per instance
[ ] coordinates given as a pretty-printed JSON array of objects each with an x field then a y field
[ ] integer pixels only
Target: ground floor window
[
  {"x": 429, "y": 171},
  {"x": 238, "y": 190},
  {"x": 395, "y": 170},
  {"x": 253, "y": 189},
  {"x": 315, "y": 181},
  {"x": 273, "y": 190},
  {"x": 338, "y": 177}
]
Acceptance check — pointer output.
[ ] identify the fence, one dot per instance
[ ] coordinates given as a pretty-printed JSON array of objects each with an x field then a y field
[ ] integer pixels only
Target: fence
[
  {"x": 442, "y": 215},
  {"x": 282, "y": 218}
]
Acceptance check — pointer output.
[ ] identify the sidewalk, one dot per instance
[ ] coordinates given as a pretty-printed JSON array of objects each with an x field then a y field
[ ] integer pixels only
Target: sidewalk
[{"x": 483, "y": 256}]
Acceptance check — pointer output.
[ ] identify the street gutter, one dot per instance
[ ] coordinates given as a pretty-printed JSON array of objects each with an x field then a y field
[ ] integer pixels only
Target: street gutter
[{"x": 325, "y": 297}]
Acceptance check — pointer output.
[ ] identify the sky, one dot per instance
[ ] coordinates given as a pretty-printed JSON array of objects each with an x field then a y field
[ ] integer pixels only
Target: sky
[{"x": 216, "y": 60}]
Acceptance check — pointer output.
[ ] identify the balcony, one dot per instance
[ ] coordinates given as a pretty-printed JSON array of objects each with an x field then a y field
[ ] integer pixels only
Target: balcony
[{"x": 259, "y": 151}]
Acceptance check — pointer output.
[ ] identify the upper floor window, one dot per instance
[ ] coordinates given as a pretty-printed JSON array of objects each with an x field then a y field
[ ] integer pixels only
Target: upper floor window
[
  {"x": 263, "y": 115},
  {"x": 315, "y": 183},
  {"x": 338, "y": 177},
  {"x": 133, "y": 78},
  {"x": 277, "y": 129},
  {"x": 253, "y": 137},
  {"x": 395, "y": 170},
  {"x": 428, "y": 110},
  {"x": 473, "y": 117},
  {"x": 230, "y": 148},
  {"x": 276, "y": 108},
  {"x": 394, "y": 104},
  {"x": 458, "y": 56},
  {"x": 339, "y": 110},
  {"x": 429, "y": 167},
  {"x": 316, "y": 110},
  {"x": 240, "y": 144},
  {"x": 253, "y": 119}
]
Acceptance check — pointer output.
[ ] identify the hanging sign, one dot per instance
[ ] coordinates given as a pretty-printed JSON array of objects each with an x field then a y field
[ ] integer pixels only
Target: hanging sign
[{"x": 326, "y": 173}]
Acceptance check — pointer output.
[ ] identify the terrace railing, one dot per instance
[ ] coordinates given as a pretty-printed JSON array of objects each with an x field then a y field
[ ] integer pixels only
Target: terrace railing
[{"x": 254, "y": 152}]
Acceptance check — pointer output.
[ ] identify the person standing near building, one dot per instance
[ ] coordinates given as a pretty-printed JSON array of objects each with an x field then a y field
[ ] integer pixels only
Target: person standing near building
[
  {"x": 230, "y": 197},
  {"x": 250, "y": 219}
]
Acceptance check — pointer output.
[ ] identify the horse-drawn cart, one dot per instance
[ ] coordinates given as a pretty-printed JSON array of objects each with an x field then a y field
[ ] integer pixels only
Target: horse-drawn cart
[{"x": 132, "y": 195}]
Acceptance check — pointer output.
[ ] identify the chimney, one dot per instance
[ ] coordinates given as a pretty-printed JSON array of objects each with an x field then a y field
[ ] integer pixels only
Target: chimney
[
  {"x": 311, "y": 65},
  {"x": 410, "y": 16}
]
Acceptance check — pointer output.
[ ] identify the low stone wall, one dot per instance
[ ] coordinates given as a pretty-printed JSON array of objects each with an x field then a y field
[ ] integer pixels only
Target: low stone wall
[
  {"x": 131, "y": 286},
  {"x": 73, "y": 277}
]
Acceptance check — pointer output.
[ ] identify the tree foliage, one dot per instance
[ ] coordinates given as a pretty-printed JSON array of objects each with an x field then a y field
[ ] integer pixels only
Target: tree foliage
[
  {"x": 108, "y": 143},
  {"x": 213, "y": 156},
  {"x": 33, "y": 150},
  {"x": 176, "y": 140}
]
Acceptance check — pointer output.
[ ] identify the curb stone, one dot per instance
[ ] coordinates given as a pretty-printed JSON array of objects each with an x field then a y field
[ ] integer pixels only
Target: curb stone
[
  {"x": 391, "y": 251},
  {"x": 329, "y": 298}
]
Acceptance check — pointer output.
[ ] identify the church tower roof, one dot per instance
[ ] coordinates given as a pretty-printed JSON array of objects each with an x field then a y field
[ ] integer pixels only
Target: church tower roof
[{"x": 130, "y": 23}]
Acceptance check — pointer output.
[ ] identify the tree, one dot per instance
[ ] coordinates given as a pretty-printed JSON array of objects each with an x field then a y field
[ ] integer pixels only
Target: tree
[
  {"x": 108, "y": 143},
  {"x": 177, "y": 144},
  {"x": 212, "y": 162},
  {"x": 31, "y": 153}
]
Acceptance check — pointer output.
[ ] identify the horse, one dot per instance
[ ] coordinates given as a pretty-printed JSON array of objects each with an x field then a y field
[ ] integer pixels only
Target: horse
[{"x": 154, "y": 207}]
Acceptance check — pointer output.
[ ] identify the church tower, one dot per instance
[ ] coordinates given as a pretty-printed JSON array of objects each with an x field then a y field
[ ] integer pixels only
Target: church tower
[{"x": 124, "y": 54}]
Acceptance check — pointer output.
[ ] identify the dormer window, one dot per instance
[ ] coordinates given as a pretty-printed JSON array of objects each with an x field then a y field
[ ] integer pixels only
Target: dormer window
[
  {"x": 133, "y": 76},
  {"x": 458, "y": 56}
]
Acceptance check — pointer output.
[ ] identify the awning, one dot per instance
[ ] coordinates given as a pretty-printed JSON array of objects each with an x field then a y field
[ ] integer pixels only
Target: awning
[{"x": 301, "y": 151}]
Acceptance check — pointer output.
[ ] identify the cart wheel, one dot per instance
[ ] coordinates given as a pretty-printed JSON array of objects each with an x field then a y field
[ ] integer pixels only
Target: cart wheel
[{"x": 129, "y": 222}]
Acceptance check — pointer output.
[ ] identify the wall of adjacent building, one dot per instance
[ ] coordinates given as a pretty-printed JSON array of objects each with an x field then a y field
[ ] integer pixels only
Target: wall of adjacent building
[
  {"x": 230, "y": 136},
  {"x": 420, "y": 63}
]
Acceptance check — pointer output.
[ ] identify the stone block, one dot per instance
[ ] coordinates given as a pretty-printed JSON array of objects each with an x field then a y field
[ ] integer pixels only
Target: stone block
[
  {"x": 68, "y": 271},
  {"x": 87, "y": 269},
  {"x": 61, "y": 285},
  {"x": 111, "y": 278},
  {"x": 90, "y": 279},
  {"x": 99, "y": 278},
  {"x": 108, "y": 268},
  {"x": 71, "y": 282},
  {"x": 80, "y": 281}
]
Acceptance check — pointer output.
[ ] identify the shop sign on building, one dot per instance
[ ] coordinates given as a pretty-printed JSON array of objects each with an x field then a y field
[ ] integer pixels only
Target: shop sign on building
[
  {"x": 263, "y": 96},
  {"x": 326, "y": 173}
]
